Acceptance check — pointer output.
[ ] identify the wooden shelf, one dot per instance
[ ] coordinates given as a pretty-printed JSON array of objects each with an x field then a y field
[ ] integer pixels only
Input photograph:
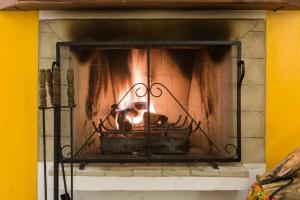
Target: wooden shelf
[{"x": 150, "y": 4}]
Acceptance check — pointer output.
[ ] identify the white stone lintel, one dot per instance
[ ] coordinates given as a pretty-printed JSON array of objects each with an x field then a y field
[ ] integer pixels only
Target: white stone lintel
[{"x": 152, "y": 14}]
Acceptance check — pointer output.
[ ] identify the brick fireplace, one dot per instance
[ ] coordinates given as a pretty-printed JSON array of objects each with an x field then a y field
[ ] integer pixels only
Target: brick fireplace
[{"x": 175, "y": 53}]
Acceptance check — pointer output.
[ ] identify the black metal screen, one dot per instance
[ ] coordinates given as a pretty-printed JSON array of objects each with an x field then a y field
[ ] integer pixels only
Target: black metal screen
[
  {"x": 160, "y": 137},
  {"x": 194, "y": 86}
]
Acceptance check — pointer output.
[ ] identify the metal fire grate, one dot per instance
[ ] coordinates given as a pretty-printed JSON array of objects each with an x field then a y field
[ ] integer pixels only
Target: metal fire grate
[{"x": 148, "y": 138}]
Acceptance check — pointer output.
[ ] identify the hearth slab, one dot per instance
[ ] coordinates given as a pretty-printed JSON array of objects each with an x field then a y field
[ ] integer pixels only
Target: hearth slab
[
  {"x": 159, "y": 170},
  {"x": 207, "y": 181}
]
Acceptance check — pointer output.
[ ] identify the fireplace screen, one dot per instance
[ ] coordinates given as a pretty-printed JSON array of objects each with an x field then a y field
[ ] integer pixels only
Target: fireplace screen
[{"x": 151, "y": 101}]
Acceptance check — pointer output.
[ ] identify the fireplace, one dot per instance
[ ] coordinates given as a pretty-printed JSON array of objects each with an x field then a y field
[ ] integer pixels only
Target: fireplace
[
  {"x": 153, "y": 96},
  {"x": 153, "y": 101}
]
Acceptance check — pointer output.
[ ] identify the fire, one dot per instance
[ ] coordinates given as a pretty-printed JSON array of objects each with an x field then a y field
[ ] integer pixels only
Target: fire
[
  {"x": 138, "y": 70},
  {"x": 139, "y": 118}
]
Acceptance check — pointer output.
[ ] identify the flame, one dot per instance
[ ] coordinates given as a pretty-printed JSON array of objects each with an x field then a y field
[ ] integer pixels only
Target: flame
[
  {"x": 138, "y": 68},
  {"x": 138, "y": 119}
]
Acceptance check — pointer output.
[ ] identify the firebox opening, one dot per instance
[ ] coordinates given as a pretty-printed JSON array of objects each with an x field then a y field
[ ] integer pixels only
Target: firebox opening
[{"x": 155, "y": 103}]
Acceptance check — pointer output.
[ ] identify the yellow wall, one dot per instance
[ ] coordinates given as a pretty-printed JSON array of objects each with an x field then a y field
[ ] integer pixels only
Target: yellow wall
[
  {"x": 18, "y": 105},
  {"x": 283, "y": 85}
]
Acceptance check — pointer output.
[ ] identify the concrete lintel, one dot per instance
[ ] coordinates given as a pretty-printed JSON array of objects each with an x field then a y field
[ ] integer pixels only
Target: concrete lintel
[{"x": 153, "y": 14}]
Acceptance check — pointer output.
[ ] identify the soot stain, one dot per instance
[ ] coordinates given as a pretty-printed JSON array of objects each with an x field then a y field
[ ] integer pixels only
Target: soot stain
[
  {"x": 150, "y": 29},
  {"x": 83, "y": 55},
  {"x": 104, "y": 64},
  {"x": 98, "y": 81},
  {"x": 127, "y": 30},
  {"x": 217, "y": 53},
  {"x": 184, "y": 58},
  {"x": 205, "y": 76},
  {"x": 119, "y": 67},
  {"x": 210, "y": 105}
]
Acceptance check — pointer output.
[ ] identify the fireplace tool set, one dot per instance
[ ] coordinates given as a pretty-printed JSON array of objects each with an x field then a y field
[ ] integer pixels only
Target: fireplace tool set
[{"x": 52, "y": 77}]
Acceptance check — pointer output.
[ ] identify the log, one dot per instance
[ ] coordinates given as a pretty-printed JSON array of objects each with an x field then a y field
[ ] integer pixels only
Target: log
[
  {"x": 155, "y": 118},
  {"x": 123, "y": 122},
  {"x": 292, "y": 192},
  {"x": 140, "y": 105},
  {"x": 287, "y": 167},
  {"x": 133, "y": 111}
]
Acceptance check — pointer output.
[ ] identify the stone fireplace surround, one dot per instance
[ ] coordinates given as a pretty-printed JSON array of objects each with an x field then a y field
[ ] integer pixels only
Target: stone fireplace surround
[{"x": 246, "y": 26}]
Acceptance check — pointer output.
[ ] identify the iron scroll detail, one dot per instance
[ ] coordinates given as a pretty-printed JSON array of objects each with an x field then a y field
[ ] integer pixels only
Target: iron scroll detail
[
  {"x": 186, "y": 112},
  {"x": 231, "y": 150},
  {"x": 155, "y": 90}
]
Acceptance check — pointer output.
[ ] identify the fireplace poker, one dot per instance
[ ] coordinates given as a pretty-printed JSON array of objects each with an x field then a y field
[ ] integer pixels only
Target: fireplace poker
[
  {"x": 56, "y": 101},
  {"x": 43, "y": 106},
  {"x": 66, "y": 195},
  {"x": 71, "y": 104}
]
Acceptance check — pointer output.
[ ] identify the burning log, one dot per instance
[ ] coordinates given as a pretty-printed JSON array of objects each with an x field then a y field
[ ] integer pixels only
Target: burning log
[
  {"x": 155, "y": 118},
  {"x": 123, "y": 122},
  {"x": 140, "y": 105},
  {"x": 126, "y": 119}
]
